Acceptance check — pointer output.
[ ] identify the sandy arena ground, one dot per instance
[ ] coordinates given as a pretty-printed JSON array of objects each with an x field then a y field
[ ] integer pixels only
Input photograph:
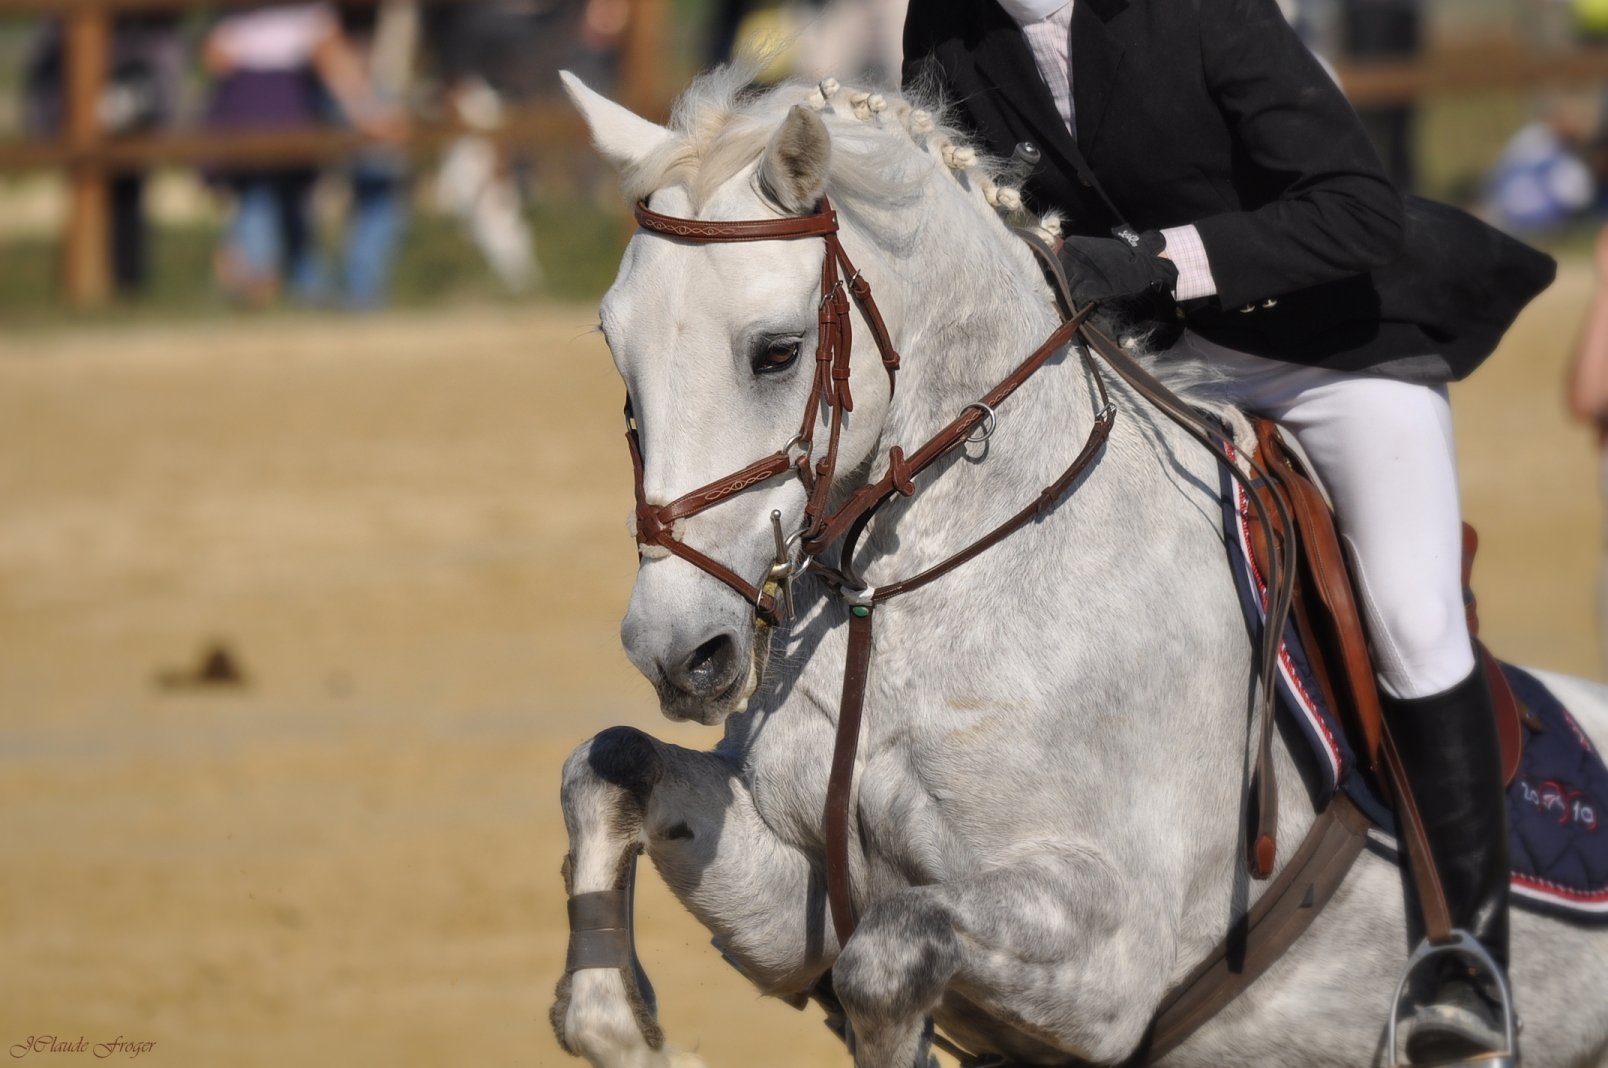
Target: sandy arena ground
[{"x": 410, "y": 533}]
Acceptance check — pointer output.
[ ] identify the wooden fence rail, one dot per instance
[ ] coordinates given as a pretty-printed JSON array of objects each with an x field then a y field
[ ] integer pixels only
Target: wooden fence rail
[
  {"x": 540, "y": 123},
  {"x": 1475, "y": 65},
  {"x": 88, "y": 156}
]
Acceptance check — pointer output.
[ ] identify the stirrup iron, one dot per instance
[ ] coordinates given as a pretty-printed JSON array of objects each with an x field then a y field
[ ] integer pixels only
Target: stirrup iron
[{"x": 1466, "y": 946}]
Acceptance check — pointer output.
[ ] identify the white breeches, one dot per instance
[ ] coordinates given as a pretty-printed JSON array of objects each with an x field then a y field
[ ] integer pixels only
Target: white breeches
[{"x": 1383, "y": 450}]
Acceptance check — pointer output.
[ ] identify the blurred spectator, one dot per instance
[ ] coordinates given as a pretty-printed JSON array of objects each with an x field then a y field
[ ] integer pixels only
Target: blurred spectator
[
  {"x": 384, "y": 36},
  {"x": 517, "y": 47},
  {"x": 1588, "y": 395},
  {"x": 142, "y": 91},
  {"x": 269, "y": 63},
  {"x": 491, "y": 54},
  {"x": 768, "y": 31},
  {"x": 859, "y": 41},
  {"x": 855, "y": 41},
  {"x": 1543, "y": 179}
]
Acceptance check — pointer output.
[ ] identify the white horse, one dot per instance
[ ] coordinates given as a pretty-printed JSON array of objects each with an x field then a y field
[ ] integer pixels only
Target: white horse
[{"x": 1047, "y": 816}]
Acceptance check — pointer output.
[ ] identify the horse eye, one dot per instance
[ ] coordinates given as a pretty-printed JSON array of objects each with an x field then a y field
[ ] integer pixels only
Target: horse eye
[{"x": 774, "y": 354}]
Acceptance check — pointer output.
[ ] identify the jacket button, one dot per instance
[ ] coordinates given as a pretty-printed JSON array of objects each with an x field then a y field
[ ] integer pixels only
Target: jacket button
[
  {"x": 1270, "y": 302},
  {"x": 1027, "y": 152}
]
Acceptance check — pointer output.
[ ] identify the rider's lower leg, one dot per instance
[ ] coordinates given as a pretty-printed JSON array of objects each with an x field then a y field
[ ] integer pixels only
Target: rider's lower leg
[{"x": 1451, "y": 754}]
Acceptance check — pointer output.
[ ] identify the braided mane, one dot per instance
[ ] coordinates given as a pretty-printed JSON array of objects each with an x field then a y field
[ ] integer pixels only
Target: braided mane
[
  {"x": 722, "y": 125},
  {"x": 885, "y": 145}
]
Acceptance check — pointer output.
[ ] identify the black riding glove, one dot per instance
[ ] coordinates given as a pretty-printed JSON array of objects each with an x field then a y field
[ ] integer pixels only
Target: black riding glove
[{"x": 1108, "y": 268}]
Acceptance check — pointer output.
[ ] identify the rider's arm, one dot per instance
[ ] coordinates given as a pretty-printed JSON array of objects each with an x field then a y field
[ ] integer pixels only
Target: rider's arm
[{"x": 1330, "y": 210}]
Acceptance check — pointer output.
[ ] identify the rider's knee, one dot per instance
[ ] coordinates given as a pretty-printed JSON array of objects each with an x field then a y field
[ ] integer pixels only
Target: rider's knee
[{"x": 1426, "y": 648}]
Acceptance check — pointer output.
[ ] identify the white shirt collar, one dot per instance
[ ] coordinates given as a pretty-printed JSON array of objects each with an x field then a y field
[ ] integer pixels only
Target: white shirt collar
[{"x": 1026, "y": 11}]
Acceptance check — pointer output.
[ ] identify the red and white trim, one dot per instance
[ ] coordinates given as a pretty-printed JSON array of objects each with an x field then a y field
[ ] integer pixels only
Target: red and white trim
[{"x": 1295, "y": 687}]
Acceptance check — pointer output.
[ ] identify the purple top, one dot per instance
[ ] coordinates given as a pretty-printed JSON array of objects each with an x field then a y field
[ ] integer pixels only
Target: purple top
[{"x": 264, "y": 99}]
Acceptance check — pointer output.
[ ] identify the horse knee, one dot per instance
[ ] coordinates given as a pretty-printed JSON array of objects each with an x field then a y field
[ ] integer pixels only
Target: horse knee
[
  {"x": 626, "y": 758},
  {"x": 611, "y": 775},
  {"x": 896, "y": 966}
]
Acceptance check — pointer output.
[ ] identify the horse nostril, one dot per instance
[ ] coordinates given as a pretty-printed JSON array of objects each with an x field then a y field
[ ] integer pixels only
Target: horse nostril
[{"x": 711, "y": 666}]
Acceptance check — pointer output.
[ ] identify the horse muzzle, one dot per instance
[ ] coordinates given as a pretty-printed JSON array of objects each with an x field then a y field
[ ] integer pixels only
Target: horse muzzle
[{"x": 703, "y": 669}]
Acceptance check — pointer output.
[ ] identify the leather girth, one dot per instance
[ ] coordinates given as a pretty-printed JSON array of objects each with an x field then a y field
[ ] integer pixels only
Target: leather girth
[
  {"x": 1293, "y": 899},
  {"x": 1280, "y": 916}
]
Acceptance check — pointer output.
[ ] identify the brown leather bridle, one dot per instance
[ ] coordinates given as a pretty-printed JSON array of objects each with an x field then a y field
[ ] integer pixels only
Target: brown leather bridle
[
  {"x": 655, "y": 524},
  {"x": 822, "y": 529}
]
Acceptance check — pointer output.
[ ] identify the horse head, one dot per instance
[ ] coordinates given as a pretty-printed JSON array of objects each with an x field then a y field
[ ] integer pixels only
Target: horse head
[{"x": 720, "y": 345}]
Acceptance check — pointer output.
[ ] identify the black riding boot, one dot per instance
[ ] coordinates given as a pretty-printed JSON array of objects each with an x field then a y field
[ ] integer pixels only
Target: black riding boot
[{"x": 1453, "y": 762}]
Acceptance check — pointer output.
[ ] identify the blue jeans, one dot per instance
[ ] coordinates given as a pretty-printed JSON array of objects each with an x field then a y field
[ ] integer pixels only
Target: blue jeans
[
  {"x": 378, "y": 216},
  {"x": 271, "y": 234}
]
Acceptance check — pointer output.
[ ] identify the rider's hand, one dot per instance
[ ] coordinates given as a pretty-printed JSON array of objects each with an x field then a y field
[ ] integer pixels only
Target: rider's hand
[{"x": 1108, "y": 268}]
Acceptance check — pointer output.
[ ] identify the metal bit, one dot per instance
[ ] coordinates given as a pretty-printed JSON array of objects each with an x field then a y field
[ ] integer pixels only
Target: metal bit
[{"x": 781, "y": 572}]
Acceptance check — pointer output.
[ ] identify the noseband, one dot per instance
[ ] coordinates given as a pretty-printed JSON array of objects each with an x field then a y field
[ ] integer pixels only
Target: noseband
[{"x": 656, "y": 524}]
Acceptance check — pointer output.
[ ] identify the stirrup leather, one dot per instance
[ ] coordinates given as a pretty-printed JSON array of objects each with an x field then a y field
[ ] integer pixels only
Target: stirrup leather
[{"x": 1467, "y": 947}]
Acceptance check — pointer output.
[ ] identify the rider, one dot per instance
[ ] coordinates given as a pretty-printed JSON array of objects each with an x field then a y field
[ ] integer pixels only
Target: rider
[{"x": 1339, "y": 308}]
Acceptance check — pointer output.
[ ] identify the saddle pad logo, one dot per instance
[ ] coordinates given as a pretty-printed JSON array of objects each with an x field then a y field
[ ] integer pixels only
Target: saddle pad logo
[{"x": 1570, "y": 807}]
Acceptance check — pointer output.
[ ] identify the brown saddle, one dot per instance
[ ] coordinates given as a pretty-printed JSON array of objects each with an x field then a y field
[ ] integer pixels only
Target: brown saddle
[
  {"x": 1324, "y": 613},
  {"x": 1326, "y": 617}
]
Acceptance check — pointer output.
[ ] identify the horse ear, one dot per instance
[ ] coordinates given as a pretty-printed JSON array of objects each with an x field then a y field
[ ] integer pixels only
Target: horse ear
[
  {"x": 622, "y": 137},
  {"x": 793, "y": 169}
]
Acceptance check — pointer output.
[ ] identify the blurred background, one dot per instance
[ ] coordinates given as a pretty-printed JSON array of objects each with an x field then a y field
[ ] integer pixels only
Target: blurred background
[{"x": 312, "y": 498}]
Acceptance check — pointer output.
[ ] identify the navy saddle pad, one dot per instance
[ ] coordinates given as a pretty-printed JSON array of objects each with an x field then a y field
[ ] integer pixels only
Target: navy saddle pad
[{"x": 1558, "y": 803}]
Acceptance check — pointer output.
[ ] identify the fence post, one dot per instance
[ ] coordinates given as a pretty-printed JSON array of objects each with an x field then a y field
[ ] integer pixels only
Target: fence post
[
  {"x": 85, "y": 251},
  {"x": 642, "y": 87}
]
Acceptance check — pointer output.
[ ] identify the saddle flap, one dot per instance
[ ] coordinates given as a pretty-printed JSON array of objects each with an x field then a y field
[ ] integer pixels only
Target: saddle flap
[{"x": 1328, "y": 620}]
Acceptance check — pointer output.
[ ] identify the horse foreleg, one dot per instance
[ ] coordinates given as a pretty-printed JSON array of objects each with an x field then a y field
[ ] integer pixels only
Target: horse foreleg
[
  {"x": 1053, "y": 946},
  {"x": 758, "y": 895},
  {"x": 692, "y": 812},
  {"x": 604, "y": 1009}
]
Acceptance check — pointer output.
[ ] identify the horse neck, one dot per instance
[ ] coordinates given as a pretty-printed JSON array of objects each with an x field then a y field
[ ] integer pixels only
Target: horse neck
[
  {"x": 1138, "y": 532},
  {"x": 972, "y": 305}
]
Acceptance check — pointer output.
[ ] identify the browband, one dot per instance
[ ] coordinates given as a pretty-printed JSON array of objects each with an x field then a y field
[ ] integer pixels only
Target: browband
[{"x": 819, "y": 224}]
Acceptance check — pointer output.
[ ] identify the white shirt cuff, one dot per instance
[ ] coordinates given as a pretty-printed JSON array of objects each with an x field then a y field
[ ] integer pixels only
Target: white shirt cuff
[{"x": 1184, "y": 248}]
